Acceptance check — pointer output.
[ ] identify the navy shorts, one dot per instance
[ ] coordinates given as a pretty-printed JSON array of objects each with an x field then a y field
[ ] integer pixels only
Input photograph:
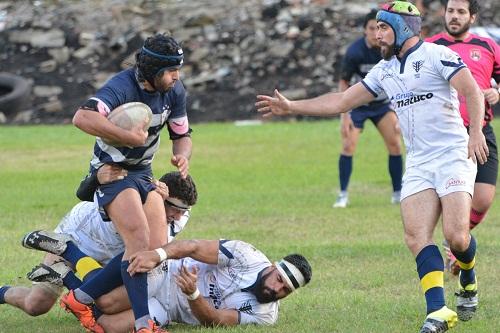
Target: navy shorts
[
  {"x": 372, "y": 112},
  {"x": 488, "y": 172},
  {"x": 138, "y": 179}
]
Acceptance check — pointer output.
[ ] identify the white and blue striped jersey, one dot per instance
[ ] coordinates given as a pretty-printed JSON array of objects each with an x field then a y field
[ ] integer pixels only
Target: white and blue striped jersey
[
  {"x": 222, "y": 285},
  {"x": 425, "y": 102},
  {"x": 168, "y": 109}
]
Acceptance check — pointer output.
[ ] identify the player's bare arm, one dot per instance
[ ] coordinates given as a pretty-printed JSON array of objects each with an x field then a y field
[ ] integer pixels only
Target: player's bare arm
[
  {"x": 466, "y": 86},
  {"x": 202, "y": 250},
  {"x": 181, "y": 153},
  {"x": 325, "y": 105},
  {"x": 206, "y": 314},
  {"x": 96, "y": 124}
]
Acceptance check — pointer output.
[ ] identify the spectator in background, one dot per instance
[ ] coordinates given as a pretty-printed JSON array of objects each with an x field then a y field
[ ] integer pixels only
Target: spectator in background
[{"x": 360, "y": 57}]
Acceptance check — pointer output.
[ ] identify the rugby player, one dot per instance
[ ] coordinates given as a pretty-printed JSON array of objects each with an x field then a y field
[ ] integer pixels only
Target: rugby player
[
  {"x": 87, "y": 243},
  {"x": 360, "y": 57},
  {"x": 482, "y": 57},
  {"x": 155, "y": 81},
  {"x": 421, "y": 79},
  {"x": 214, "y": 283}
]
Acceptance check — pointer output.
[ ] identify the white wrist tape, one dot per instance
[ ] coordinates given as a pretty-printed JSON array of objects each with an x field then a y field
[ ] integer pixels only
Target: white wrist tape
[
  {"x": 194, "y": 295},
  {"x": 162, "y": 253}
]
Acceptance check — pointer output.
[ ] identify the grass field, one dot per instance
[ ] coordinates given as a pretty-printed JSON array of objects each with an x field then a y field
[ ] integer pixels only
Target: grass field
[{"x": 270, "y": 185}]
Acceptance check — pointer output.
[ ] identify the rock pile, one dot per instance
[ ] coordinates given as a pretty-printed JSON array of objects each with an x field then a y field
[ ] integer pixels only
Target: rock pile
[{"x": 234, "y": 49}]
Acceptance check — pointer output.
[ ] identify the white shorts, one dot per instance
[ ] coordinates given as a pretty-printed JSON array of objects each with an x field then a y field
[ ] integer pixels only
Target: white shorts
[{"x": 452, "y": 172}]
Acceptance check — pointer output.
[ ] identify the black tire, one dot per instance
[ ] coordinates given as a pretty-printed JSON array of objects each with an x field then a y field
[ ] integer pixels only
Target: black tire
[{"x": 15, "y": 94}]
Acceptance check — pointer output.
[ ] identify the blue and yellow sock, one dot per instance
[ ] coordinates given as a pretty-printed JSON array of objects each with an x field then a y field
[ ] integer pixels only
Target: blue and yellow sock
[
  {"x": 467, "y": 260},
  {"x": 430, "y": 268},
  {"x": 3, "y": 290}
]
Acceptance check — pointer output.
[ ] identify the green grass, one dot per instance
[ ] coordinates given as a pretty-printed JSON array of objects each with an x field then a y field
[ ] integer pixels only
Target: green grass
[{"x": 270, "y": 185}]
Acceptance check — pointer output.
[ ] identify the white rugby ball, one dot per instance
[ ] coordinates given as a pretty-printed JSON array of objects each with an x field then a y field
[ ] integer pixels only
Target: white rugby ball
[{"x": 129, "y": 115}]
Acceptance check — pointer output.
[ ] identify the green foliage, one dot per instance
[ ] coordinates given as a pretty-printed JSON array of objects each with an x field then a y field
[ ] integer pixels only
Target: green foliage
[{"x": 270, "y": 185}]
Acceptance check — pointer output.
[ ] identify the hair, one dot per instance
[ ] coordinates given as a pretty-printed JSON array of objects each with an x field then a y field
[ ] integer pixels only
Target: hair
[
  {"x": 148, "y": 65},
  {"x": 180, "y": 188},
  {"x": 474, "y": 6},
  {"x": 372, "y": 15},
  {"x": 302, "y": 265}
]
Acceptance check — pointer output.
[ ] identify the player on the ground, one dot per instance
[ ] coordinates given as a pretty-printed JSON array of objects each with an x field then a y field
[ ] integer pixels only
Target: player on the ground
[
  {"x": 482, "y": 57},
  {"x": 421, "y": 79},
  {"x": 155, "y": 81},
  {"x": 360, "y": 57},
  {"x": 214, "y": 283},
  {"x": 93, "y": 243}
]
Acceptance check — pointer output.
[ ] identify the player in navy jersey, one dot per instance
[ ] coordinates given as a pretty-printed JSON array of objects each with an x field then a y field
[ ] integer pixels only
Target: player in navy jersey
[
  {"x": 155, "y": 81},
  {"x": 423, "y": 81},
  {"x": 360, "y": 57},
  {"x": 482, "y": 56}
]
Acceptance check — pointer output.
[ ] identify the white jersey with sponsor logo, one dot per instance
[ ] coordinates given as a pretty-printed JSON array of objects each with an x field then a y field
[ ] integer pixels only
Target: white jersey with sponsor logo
[
  {"x": 99, "y": 239},
  {"x": 426, "y": 104},
  {"x": 221, "y": 285}
]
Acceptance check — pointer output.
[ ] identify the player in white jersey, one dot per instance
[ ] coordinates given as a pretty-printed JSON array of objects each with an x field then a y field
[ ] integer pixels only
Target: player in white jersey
[
  {"x": 421, "y": 81},
  {"x": 215, "y": 282},
  {"x": 98, "y": 241}
]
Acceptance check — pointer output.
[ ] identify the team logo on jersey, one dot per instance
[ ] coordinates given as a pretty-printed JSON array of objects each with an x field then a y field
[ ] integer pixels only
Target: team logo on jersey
[
  {"x": 475, "y": 54},
  {"x": 246, "y": 307},
  {"x": 417, "y": 65},
  {"x": 409, "y": 98}
]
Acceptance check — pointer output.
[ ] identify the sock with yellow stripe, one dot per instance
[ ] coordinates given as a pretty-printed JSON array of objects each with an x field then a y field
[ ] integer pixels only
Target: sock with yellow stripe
[
  {"x": 81, "y": 261},
  {"x": 467, "y": 260},
  {"x": 430, "y": 268}
]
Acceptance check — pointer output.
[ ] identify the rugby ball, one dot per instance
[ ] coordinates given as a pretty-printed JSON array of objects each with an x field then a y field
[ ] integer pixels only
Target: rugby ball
[{"x": 129, "y": 115}]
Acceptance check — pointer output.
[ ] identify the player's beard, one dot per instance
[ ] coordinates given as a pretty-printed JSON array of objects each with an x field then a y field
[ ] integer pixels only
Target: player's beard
[
  {"x": 161, "y": 87},
  {"x": 457, "y": 33},
  {"x": 386, "y": 51},
  {"x": 263, "y": 293}
]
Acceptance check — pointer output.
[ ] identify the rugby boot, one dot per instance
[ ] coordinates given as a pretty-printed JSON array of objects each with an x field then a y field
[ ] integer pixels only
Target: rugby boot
[
  {"x": 342, "y": 200},
  {"x": 152, "y": 328},
  {"x": 396, "y": 197},
  {"x": 467, "y": 301},
  {"x": 439, "y": 321},
  {"x": 54, "y": 273},
  {"x": 82, "y": 312},
  {"x": 47, "y": 241}
]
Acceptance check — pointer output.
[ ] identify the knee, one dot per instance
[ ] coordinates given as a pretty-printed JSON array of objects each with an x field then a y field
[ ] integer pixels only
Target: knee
[
  {"x": 37, "y": 308},
  {"x": 459, "y": 241},
  {"x": 105, "y": 304}
]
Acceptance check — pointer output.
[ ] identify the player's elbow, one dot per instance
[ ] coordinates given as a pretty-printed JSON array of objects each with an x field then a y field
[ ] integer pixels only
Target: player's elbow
[{"x": 79, "y": 119}]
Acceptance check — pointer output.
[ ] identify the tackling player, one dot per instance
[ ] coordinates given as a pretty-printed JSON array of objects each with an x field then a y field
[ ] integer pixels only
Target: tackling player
[
  {"x": 421, "y": 79},
  {"x": 482, "y": 57},
  {"x": 97, "y": 243}
]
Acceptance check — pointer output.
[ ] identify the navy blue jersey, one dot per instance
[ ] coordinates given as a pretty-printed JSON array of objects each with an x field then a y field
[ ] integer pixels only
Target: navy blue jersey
[
  {"x": 168, "y": 109},
  {"x": 357, "y": 62}
]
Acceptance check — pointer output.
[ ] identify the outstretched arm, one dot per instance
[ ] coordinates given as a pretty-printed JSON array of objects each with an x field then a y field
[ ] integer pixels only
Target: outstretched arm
[
  {"x": 325, "y": 105},
  {"x": 206, "y": 251}
]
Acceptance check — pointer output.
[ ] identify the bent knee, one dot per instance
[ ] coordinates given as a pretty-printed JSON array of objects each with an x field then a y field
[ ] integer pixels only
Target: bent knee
[
  {"x": 38, "y": 308},
  {"x": 459, "y": 242}
]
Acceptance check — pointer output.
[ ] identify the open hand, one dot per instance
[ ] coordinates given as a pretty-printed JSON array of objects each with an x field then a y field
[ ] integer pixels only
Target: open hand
[{"x": 276, "y": 105}]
